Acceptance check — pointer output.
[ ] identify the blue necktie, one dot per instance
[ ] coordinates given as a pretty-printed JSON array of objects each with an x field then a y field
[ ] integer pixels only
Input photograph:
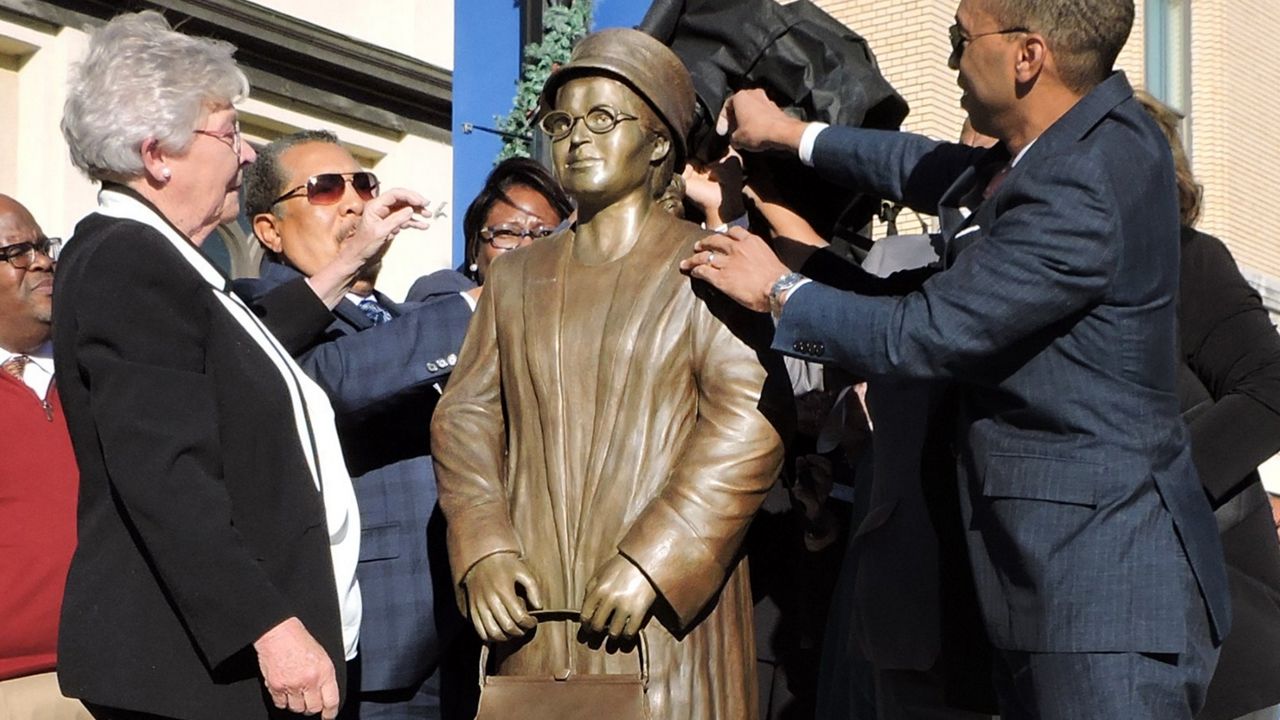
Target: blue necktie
[{"x": 375, "y": 312}]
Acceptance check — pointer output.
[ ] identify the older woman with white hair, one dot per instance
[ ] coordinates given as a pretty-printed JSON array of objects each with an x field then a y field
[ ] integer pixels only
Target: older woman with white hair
[{"x": 218, "y": 533}]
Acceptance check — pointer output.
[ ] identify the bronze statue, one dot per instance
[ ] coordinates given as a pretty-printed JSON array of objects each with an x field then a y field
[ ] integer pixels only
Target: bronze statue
[{"x": 607, "y": 434}]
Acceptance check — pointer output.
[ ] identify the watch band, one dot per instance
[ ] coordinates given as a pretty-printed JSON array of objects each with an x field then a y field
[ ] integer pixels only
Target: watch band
[{"x": 781, "y": 286}]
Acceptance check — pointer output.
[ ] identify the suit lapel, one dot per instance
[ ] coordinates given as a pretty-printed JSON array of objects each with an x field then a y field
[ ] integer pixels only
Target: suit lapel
[
  {"x": 351, "y": 314},
  {"x": 388, "y": 304},
  {"x": 966, "y": 192},
  {"x": 1077, "y": 122}
]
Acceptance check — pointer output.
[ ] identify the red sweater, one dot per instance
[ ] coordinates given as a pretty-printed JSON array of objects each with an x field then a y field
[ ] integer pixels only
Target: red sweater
[{"x": 38, "y": 486}]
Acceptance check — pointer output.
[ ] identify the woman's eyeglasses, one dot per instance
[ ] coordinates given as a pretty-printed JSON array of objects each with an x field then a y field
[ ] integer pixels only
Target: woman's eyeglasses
[
  {"x": 510, "y": 237},
  {"x": 599, "y": 120},
  {"x": 328, "y": 188},
  {"x": 21, "y": 255},
  {"x": 231, "y": 138}
]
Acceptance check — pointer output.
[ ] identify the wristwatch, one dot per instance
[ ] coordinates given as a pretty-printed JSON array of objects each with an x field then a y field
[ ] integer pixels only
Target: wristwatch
[{"x": 780, "y": 287}]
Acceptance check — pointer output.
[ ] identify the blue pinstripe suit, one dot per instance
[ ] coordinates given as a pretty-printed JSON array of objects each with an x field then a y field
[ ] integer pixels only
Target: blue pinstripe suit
[
  {"x": 381, "y": 381},
  {"x": 1054, "y": 316}
]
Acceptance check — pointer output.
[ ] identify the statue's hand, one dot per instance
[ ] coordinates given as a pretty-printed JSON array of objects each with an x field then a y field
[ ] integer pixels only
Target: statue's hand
[
  {"x": 495, "y": 606},
  {"x": 619, "y": 599}
]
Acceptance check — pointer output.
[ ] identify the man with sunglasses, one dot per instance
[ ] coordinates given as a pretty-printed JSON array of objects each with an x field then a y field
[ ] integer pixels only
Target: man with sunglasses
[
  {"x": 38, "y": 476},
  {"x": 382, "y": 365},
  {"x": 1093, "y": 550}
]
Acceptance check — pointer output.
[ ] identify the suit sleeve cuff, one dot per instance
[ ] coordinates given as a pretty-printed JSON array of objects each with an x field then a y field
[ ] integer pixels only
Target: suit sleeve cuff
[
  {"x": 680, "y": 567},
  {"x": 808, "y": 140},
  {"x": 294, "y": 314}
]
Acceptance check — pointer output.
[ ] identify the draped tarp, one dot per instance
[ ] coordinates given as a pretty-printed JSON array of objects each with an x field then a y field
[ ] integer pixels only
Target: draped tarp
[{"x": 805, "y": 59}]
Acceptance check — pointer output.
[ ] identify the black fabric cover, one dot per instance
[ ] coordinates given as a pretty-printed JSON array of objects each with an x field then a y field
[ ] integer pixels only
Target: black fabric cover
[{"x": 806, "y": 60}]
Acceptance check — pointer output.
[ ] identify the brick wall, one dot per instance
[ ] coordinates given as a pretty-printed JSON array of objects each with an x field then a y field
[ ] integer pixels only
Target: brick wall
[{"x": 1235, "y": 139}]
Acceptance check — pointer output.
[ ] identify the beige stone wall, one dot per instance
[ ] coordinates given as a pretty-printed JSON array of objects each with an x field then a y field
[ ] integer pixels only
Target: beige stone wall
[
  {"x": 34, "y": 163},
  {"x": 422, "y": 29}
]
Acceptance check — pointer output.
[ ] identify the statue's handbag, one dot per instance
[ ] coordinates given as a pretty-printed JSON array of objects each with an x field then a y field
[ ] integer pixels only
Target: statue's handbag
[{"x": 564, "y": 696}]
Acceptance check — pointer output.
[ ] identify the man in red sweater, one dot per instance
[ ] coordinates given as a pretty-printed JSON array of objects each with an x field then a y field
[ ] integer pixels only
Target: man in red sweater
[{"x": 38, "y": 478}]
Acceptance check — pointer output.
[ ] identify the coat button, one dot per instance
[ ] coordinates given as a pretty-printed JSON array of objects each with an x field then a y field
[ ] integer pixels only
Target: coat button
[
  {"x": 819, "y": 348},
  {"x": 799, "y": 346},
  {"x": 453, "y": 359},
  {"x": 432, "y": 367}
]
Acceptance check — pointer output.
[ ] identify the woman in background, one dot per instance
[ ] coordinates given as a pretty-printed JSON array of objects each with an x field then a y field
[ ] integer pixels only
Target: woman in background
[
  {"x": 1229, "y": 387},
  {"x": 519, "y": 203}
]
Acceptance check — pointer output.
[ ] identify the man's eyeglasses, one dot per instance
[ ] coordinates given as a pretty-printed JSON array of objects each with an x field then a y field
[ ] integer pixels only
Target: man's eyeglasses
[
  {"x": 959, "y": 40},
  {"x": 510, "y": 237},
  {"x": 328, "y": 188},
  {"x": 21, "y": 255},
  {"x": 233, "y": 135},
  {"x": 599, "y": 120}
]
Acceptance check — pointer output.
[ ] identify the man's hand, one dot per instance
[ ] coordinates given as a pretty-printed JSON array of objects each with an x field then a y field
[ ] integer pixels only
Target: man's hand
[
  {"x": 496, "y": 609},
  {"x": 738, "y": 264},
  {"x": 383, "y": 217},
  {"x": 619, "y": 598},
  {"x": 297, "y": 672},
  {"x": 754, "y": 122}
]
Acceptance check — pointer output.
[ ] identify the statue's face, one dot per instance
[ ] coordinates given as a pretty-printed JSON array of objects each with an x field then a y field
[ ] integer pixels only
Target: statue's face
[{"x": 598, "y": 166}]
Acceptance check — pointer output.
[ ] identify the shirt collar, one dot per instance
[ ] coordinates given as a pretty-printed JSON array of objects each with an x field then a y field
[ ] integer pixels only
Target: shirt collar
[{"x": 41, "y": 356}]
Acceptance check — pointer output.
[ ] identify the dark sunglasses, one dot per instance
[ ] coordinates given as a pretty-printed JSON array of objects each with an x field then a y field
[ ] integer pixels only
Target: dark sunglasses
[
  {"x": 21, "y": 255},
  {"x": 328, "y": 188}
]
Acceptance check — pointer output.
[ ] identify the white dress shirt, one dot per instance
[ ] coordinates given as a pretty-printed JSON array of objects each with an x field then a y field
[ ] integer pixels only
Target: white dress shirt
[{"x": 38, "y": 374}]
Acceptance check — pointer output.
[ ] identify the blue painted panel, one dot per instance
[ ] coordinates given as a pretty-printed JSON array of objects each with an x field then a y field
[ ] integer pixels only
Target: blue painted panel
[
  {"x": 486, "y": 66},
  {"x": 619, "y": 13}
]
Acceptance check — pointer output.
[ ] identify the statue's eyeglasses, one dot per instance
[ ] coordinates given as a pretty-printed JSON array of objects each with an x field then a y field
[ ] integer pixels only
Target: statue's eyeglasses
[{"x": 600, "y": 119}]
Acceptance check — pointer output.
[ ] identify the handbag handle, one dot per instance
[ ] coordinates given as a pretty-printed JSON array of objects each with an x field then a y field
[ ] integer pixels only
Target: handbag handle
[{"x": 574, "y": 616}]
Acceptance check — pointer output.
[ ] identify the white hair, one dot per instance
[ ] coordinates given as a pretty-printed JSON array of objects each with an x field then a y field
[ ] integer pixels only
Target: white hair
[{"x": 140, "y": 79}]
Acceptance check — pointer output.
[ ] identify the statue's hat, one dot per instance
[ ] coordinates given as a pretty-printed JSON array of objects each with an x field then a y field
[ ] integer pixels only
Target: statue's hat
[{"x": 641, "y": 62}]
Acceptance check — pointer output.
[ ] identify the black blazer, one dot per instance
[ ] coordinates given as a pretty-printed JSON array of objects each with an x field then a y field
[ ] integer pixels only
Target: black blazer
[
  {"x": 1230, "y": 395},
  {"x": 199, "y": 525}
]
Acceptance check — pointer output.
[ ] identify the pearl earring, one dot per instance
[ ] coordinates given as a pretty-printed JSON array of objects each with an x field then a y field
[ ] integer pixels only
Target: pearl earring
[
  {"x": 166, "y": 173},
  {"x": 473, "y": 267}
]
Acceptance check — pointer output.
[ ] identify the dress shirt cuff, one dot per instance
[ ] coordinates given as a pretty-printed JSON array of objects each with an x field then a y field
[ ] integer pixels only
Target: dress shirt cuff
[
  {"x": 808, "y": 140},
  {"x": 471, "y": 302}
]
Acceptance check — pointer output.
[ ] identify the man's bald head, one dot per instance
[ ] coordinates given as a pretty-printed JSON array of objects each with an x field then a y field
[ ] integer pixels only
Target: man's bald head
[
  {"x": 13, "y": 211},
  {"x": 26, "y": 281}
]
